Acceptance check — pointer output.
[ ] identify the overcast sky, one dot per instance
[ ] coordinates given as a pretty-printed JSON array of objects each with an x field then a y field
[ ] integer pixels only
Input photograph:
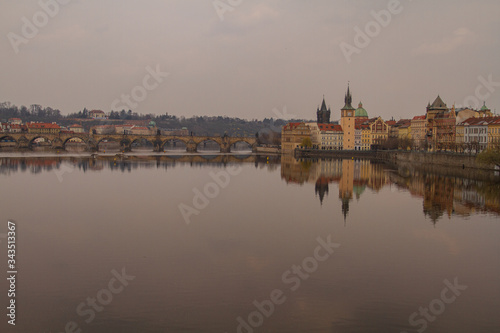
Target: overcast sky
[{"x": 281, "y": 55}]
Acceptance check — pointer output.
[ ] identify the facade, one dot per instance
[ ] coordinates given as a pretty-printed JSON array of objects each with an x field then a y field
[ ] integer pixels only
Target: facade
[
  {"x": 379, "y": 132},
  {"x": 15, "y": 121},
  {"x": 75, "y": 128},
  {"x": 419, "y": 131},
  {"x": 331, "y": 137},
  {"x": 292, "y": 136},
  {"x": 97, "y": 114},
  {"x": 475, "y": 134},
  {"x": 141, "y": 130},
  {"x": 494, "y": 133},
  {"x": 43, "y": 128},
  {"x": 103, "y": 129}
]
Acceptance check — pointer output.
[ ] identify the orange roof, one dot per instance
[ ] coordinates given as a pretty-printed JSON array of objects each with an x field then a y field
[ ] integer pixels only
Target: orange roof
[
  {"x": 391, "y": 122},
  {"x": 292, "y": 125},
  {"x": 76, "y": 125},
  {"x": 330, "y": 127},
  {"x": 419, "y": 118},
  {"x": 43, "y": 125}
]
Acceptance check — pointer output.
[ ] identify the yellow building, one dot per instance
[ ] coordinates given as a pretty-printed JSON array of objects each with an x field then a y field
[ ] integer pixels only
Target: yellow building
[
  {"x": 292, "y": 135},
  {"x": 379, "y": 131},
  {"x": 494, "y": 133},
  {"x": 43, "y": 128},
  {"x": 347, "y": 121}
]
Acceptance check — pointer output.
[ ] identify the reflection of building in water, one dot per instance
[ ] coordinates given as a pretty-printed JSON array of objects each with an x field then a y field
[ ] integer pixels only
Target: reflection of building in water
[{"x": 441, "y": 194}]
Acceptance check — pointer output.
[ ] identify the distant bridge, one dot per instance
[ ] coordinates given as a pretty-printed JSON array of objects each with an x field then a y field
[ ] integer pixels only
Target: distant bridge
[{"x": 92, "y": 141}]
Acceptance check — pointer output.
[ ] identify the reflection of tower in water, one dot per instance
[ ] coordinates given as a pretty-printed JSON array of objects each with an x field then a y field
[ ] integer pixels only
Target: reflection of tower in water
[{"x": 346, "y": 185}]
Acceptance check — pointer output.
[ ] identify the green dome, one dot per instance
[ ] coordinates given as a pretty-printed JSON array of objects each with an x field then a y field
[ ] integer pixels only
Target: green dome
[
  {"x": 484, "y": 107},
  {"x": 360, "y": 112},
  {"x": 152, "y": 123}
]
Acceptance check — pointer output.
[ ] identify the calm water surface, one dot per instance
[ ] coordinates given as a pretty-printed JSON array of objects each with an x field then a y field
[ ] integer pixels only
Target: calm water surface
[{"x": 409, "y": 249}]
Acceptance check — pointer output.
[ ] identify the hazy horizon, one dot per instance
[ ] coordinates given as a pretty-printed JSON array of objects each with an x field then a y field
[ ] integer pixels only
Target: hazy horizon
[{"x": 261, "y": 60}]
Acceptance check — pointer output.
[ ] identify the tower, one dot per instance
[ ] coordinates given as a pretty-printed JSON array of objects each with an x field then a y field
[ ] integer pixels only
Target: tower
[
  {"x": 347, "y": 121},
  {"x": 323, "y": 114}
]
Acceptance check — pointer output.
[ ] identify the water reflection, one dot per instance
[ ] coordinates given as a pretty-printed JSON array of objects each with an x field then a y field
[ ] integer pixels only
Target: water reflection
[{"x": 442, "y": 193}]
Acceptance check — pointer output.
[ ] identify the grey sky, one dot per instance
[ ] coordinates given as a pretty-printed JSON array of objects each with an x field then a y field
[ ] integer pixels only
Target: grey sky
[{"x": 264, "y": 55}]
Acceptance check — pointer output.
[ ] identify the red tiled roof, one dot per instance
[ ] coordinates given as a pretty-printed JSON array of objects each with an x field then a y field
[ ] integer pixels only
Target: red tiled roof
[
  {"x": 292, "y": 125},
  {"x": 419, "y": 118},
  {"x": 43, "y": 125},
  {"x": 391, "y": 122},
  {"x": 76, "y": 125},
  {"x": 330, "y": 127}
]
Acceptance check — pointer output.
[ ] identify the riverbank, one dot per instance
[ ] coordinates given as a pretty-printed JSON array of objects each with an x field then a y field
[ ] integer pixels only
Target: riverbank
[{"x": 423, "y": 158}]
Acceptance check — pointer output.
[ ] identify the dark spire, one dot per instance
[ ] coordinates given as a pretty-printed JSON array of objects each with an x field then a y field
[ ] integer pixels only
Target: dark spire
[{"x": 348, "y": 100}]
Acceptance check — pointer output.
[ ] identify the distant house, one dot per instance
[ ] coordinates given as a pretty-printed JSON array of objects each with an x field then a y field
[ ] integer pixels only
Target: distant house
[
  {"x": 43, "y": 128},
  {"x": 141, "y": 130},
  {"x": 15, "y": 121},
  {"x": 75, "y": 128},
  {"x": 97, "y": 114},
  {"x": 178, "y": 132}
]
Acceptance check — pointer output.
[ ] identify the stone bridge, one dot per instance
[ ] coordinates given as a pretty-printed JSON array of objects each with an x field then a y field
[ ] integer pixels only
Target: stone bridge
[{"x": 92, "y": 141}]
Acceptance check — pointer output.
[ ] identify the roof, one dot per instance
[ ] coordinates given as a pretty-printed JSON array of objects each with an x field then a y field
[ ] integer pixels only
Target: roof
[
  {"x": 484, "y": 107},
  {"x": 360, "y": 111},
  {"x": 484, "y": 121},
  {"x": 330, "y": 127},
  {"x": 291, "y": 125},
  {"x": 419, "y": 118},
  {"x": 76, "y": 125},
  {"x": 391, "y": 122},
  {"x": 438, "y": 104},
  {"x": 43, "y": 125},
  {"x": 96, "y": 111}
]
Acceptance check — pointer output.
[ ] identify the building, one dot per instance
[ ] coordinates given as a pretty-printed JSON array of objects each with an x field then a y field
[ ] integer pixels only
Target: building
[
  {"x": 75, "y": 128},
  {"x": 418, "y": 131},
  {"x": 494, "y": 133},
  {"x": 43, "y": 128},
  {"x": 97, "y": 114},
  {"x": 141, "y": 130},
  {"x": 292, "y": 136},
  {"x": 331, "y": 137},
  {"x": 347, "y": 121},
  {"x": 15, "y": 121},
  {"x": 474, "y": 134},
  {"x": 379, "y": 132},
  {"x": 323, "y": 114}
]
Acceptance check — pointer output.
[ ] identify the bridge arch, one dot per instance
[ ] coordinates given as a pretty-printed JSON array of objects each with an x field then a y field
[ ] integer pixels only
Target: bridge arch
[
  {"x": 202, "y": 144},
  {"x": 5, "y": 138},
  {"x": 66, "y": 140},
  {"x": 39, "y": 136},
  {"x": 248, "y": 144},
  {"x": 173, "y": 142}
]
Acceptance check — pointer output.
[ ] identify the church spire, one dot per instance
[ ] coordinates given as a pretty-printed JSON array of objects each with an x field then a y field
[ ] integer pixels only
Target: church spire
[{"x": 348, "y": 99}]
